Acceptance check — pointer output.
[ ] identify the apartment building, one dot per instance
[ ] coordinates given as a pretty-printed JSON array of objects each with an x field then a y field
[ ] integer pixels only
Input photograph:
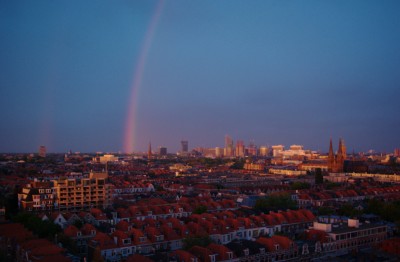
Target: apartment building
[
  {"x": 67, "y": 193},
  {"x": 93, "y": 191}
]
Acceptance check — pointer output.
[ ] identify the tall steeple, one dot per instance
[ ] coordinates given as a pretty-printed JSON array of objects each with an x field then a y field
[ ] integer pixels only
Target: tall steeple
[
  {"x": 331, "y": 157},
  {"x": 330, "y": 149}
]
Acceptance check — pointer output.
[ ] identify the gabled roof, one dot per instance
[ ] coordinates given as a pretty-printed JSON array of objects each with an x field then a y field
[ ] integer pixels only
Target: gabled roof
[
  {"x": 71, "y": 231},
  {"x": 104, "y": 241},
  {"x": 87, "y": 229},
  {"x": 202, "y": 253}
]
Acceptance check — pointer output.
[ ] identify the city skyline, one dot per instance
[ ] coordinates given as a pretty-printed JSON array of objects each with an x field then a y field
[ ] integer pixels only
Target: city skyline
[{"x": 113, "y": 76}]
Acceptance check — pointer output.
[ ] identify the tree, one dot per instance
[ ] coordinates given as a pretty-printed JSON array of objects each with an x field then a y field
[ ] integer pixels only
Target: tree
[
  {"x": 202, "y": 241},
  {"x": 200, "y": 209},
  {"x": 300, "y": 185},
  {"x": 275, "y": 202},
  {"x": 319, "y": 179}
]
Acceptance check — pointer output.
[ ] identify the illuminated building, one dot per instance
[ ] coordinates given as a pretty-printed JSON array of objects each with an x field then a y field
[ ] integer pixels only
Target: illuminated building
[
  {"x": 336, "y": 162},
  {"x": 42, "y": 151},
  {"x": 239, "y": 148},
  {"x": 228, "y": 146}
]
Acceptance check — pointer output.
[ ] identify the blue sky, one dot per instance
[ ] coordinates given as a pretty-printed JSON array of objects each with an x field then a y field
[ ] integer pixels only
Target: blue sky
[{"x": 276, "y": 72}]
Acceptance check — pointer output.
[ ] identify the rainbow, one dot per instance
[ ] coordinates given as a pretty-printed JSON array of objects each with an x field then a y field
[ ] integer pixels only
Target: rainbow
[{"x": 129, "y": 137}]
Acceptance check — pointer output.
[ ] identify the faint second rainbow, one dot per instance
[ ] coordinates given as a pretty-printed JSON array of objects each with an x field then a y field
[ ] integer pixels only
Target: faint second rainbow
[{"x": 130, "y": 123}]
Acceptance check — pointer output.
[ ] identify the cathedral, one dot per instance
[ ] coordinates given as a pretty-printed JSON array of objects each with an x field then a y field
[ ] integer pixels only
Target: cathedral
[{"x": 336, "y": 162}]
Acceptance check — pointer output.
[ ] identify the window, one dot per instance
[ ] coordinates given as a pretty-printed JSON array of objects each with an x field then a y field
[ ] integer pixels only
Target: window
[
  {"x": 142, "y": 239},
  {"x": 212, "y": 258},
  {"x": 276, "y": 246},
  {"x": 160, "y": 238},
  {"x": 230, "y": 255},
  {"x": 126, "y": 241},
  {"x": 246, "y": 252}
]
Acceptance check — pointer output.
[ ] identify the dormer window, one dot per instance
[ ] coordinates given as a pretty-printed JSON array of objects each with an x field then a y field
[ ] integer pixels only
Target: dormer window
[
  {"x": 276, "y": 246},
  {"x": 230, "y": 255},
  {"x": 142, "y": 239},
  {"x": 126, "y": 241},
  {"x": 79, "y": 233},
  {"x": 160, "y": 238},
  {"x": 93, "y": 232},
  {"x": 246, "y": 252}
]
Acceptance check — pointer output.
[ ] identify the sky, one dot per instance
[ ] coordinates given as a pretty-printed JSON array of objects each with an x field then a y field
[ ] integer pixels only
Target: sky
[{"x": 112, "y": 76}]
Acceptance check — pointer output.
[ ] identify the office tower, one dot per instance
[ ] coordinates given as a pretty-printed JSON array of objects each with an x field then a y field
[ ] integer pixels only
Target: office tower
[
  {"x": 149, "y": 154},
  {"x": 162, "y": 151},
  {"x": 228, "y": 146},
  {"x": 184, "y": 146},
  {"x": 219, "y": 152},
  {"x": 336, "y": 162},
  {"x": 263, "y": 150},
  {"x": 396, "y": 152},
  {"x": 42, "y": 151},
  {"x": 239, "y": 148},
  {"x": 252, "y": 149},
  {"x": 277, "y": 150}
]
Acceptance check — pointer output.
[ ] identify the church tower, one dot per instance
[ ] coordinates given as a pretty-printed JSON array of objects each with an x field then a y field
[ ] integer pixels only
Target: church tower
[
  {"x": 336, "y": 162},
  {"x": 331, "y": 157}
]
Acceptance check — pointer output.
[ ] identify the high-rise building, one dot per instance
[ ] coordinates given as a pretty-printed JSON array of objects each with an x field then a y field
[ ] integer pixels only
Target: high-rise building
[
  {"x": 239, "y": 148},
  {"x": 277, "y": 150},
  {"x": 219, "y": 152},
  {"x": 162, "y": 151},
  {"x": 228, "y": 146},
  {"x": 396, "y": 152},
  {"x": 252, "y": 149},
  {"x": 184, "y": 146},
  {"x": 336, "y": 162},
  {"x": 42, "y": 151},
  {"x": 263, "y": 150}
]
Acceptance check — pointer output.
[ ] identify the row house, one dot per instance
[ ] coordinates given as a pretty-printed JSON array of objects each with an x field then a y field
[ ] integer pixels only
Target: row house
[
  {"x": 143, "y": 212},
  {"x": 119, "y": 245},
  {"x": 223, "y": 231},
  {"x": 81, "y": 237},
  {"x": 150, "y": 235},
  {"x": 20, "y": 245},
  {"x": 127, "y": 188},
  {"x": 275, "y": 248},
  {"x": 326, "y": 198}
]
